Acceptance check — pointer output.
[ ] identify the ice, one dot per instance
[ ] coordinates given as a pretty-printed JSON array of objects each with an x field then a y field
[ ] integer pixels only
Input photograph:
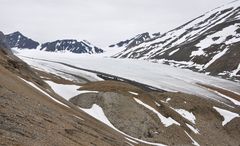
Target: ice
[
  {"x": 157, "y": 75},
  {"x": 166, "y": 121},
  {"x": 60, "y": 70},
  {"x": 228, "y": 116}
]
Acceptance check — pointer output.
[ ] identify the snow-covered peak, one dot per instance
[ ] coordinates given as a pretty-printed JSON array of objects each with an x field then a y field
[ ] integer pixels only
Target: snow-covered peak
[
  {"x": 70, "y": 45},
  {"x": 203, "y": 44},
  {"x": 17, "y": 40}
]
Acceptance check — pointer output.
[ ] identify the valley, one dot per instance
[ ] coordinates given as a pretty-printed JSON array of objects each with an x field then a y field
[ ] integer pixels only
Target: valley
[{"x": 176, "y": 88}]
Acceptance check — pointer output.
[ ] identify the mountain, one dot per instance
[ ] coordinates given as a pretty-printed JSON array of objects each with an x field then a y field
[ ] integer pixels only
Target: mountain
[
  {"x": 31, "y": 113},
  {"x": 71, "y": 46},
  {"x": 133, "y": 41},
  {"x": 149, "y": 103},
  {"x": 3, "y": 44},
  {"x": 19, "y": 41},
  {"x": 209, "y": 43}
]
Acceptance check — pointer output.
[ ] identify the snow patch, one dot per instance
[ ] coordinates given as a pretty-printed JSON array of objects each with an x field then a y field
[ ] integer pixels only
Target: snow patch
[
  {"x": 173, "y": 52},
  {"x": 166, "y": 121},
  {"x": 66, "y": 91},
  {"x": 193, "y": 129},
  {"x": 229, "y": 98},
  {"x": 228, "y": 116},
  {"x": 134, "y": 93},
  {"x": 216, "y": 57},
  {"x": 36, "y": 87},
  {"x": 97, "y": 112},
  {"x": 193, "y": 141},
  {"x": 186, "y": 114}
]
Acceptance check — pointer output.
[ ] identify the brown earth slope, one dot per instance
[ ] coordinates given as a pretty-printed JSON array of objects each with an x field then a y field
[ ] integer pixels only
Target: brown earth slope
[{"x": 29, "y": 117}]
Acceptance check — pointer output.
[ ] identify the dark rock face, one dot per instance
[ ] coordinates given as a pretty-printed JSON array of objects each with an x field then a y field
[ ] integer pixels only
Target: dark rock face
[
  {"x": 201, "y": 44},
  {"x": 18, "y": 40},
  {"x": 3, "y": 45},
  {"x": 71, "y": 46}
]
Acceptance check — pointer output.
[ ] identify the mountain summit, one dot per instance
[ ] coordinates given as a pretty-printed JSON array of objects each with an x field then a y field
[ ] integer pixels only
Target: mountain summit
[
  {"x": 18, "y": 40},
  {"x": 71, "y": 46}
]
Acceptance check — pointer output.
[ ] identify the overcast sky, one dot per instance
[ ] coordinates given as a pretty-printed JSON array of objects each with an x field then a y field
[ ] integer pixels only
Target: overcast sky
[{"x": 101, "y": 22}]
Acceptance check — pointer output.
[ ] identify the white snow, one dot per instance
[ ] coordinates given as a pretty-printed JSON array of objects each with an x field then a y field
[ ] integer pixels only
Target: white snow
[
  {"x": 229, "y": 98},
  {"x": 199, "y": 52},
  {"x": 153, "y": 74},
  {"x": 36, "y": 87},
  {"x": 87, "y": 91},
  {"x": 234, "y": 72},
  {"x": 167, "y": 100},
  {"x": 59, "y": 69},
  {"x": 223, "y": 34},
  {"x": 178, "y": 36},
  {"x": 217, "y": 56},
  {"x": 129, "y": 143},
  {"x": 193, "y": 129},
  {"x": 134, "y": 93},
  {"x": 166, "y": 121},
  {"x": 131, "y": 140},
  {"x": 157, "y": 104},
  {"x": 78, "y": 117},
  {"x": 173, "y": 52},
  {"x": 228, "y": 116},
  {"x": 66, "y": 91},
  {"x": 97, "y": 112},
  {"x": 193, "y": 141},
  {"x": 186, "y": 114}
]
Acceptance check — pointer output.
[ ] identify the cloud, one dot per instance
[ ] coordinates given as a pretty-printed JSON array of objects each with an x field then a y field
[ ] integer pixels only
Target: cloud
[{"x": 100, "y": 21}]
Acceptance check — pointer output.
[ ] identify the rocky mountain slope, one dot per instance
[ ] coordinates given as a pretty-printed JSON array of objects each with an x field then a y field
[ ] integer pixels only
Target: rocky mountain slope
[
  {"x": 133, "y": 41},
  {"x": 71, "y": 46},
  {"x": 31, "y": 113},
  {"x": 19, "y": 41},
  {"x": 209, "y": 43},
  {"x": 153, "y": 104}
]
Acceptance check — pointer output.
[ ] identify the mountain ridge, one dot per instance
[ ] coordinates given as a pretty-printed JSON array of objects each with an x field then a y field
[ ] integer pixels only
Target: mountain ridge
[
  {"x": 198, "y": 44},
  {"x": 19, "y": 41}
]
